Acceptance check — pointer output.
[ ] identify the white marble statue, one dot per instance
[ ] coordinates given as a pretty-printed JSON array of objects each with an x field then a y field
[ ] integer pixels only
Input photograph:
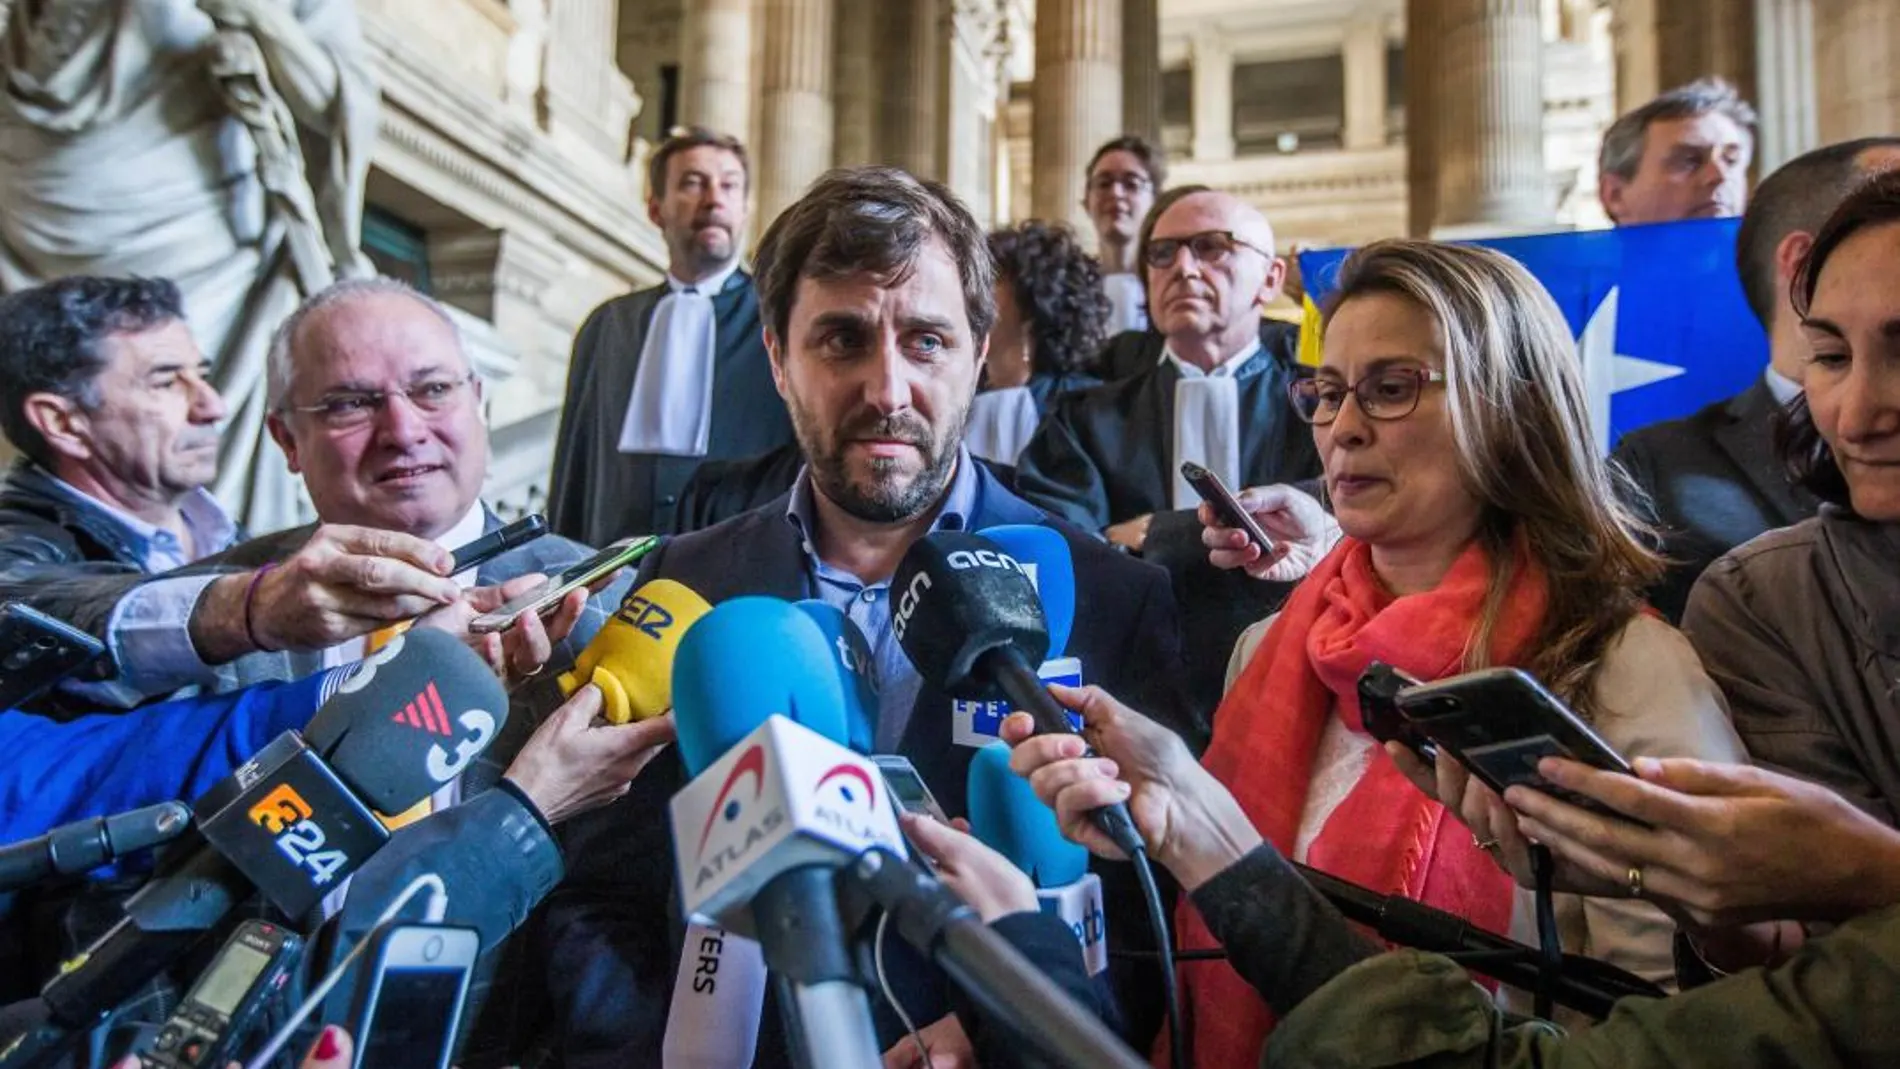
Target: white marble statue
[{"x": 219, "y": 143}]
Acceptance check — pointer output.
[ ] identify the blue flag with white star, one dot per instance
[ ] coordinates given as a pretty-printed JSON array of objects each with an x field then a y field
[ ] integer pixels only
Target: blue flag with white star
[{"x": 1662, "y": 327}]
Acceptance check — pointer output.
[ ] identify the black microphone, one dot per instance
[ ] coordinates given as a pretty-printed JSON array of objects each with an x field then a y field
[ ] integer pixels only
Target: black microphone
[
  {"x": 972, "y": 624},
  {"x": 292, "y": 822},
  {"x": 84, "y": 845}
]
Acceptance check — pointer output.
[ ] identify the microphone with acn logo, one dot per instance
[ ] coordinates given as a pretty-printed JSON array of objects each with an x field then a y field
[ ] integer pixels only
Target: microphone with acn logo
[
  {"x": 84, "y": 845},
  {"x": 631, "y": 657},
  {"x": 973, "y": 626},
  {"x": 777, "y": 804},
  {"x": 292, "y": 822},
  {"x": 1008, "y": 817}
]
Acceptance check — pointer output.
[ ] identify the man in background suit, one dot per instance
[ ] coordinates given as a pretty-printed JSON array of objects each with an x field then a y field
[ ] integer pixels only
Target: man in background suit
[
  {"x": 671, "y": 376},
  {"x": 876, "y": 345},
  {"x": 1713, "y": 477}
]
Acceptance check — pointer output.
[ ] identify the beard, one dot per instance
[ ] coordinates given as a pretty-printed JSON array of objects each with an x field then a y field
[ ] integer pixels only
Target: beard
[{"x": 888, "y": 495}]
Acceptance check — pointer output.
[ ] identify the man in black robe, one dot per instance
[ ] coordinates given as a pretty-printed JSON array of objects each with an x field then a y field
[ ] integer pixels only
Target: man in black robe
[
  {"x": 671, "y": 376},
  {"x": 1213, "y": 392}
]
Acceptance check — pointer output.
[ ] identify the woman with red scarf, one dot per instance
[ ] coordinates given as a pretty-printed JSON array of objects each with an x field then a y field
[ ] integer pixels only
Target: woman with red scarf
[{"x": 1482, "y": 528}]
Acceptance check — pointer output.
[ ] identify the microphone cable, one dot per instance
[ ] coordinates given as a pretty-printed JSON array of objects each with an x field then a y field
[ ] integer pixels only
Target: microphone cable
[
  {"x": 1179, "y": 1054},
  {"x": 890, "y": 996}
]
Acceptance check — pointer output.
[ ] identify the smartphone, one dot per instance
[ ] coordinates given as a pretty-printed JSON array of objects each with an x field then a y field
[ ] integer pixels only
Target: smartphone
[
  {"x": 544, "y": 598},
  {"x": 410, "y": 1003},
  {"x": 1500, "y": 722},
  {"x": 499, "y": 541},
  {"x": 1379, "y": 687},
  {"x": 37, "y": 651},
  {"x": 1226, "y": 507},
  {"x": 227, "y": 1001},
  {"x": 907, "y": 786}
]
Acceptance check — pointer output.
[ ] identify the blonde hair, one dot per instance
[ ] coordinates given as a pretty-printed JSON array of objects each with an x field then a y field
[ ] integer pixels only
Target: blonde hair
[{"x": 1521, "y": 422}]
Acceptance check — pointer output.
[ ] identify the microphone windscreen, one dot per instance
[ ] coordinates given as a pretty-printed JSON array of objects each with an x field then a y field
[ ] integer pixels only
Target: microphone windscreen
[
  {"x": 957, "y": 596},
  {"x": 1045, "y": 555},
  {"x": 412, "y": 717},
  {"x": 1006, "y": 816},
  {"x": 742, "y": 662},
  {"x": 851, "y": 655},
  {"x": 631, "y": 656}
]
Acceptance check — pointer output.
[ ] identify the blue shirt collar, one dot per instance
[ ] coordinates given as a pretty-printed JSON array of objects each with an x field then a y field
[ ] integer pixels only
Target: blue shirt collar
[
  {"x": 212, "y": 529},
  {"x": 959, "y": 504}
]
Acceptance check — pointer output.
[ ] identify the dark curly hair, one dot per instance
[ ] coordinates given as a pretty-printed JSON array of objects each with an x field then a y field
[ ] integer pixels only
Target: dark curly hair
[
  {"x": 49, "y": 342},
  {"x": 1058, "y": 288}
]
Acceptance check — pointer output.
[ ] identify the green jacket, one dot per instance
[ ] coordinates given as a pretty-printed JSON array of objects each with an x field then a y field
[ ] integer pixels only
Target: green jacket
[{"x": 1835, "y": 1003}]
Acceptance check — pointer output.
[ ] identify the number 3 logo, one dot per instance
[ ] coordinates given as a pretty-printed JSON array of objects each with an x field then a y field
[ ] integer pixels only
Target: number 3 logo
[
  {"x": 442, "y": 766},
  {"x": 366, "y": 669}
]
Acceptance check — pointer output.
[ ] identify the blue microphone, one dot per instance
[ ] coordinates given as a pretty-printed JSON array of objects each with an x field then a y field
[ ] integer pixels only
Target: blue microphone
[
  {"x": 745, "y": 660},
  {"x": 1044, "y": 554},
  {"x": 856, "y": 672},
  {"x": 1008, "y": 817}
]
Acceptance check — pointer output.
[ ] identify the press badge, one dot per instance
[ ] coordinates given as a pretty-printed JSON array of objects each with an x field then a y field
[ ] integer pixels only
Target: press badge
[{"x": 977, "y": 723}]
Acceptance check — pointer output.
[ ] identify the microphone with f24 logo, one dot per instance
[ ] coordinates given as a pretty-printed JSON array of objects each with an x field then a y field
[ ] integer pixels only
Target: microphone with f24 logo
[{"x": 291, "y": 822}]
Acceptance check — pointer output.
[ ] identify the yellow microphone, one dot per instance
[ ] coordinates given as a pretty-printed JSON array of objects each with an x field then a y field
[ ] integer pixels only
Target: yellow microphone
[{"x": 631, "y": 657}]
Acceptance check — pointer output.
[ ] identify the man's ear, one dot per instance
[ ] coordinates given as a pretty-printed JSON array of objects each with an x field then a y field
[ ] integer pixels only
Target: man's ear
[
  {"x": 60, "y": 420},
  {"x": 775, "y": 353},
  {"x": 280, "y": 433},
  {"x": 653, "y": 210},
  {"x": 1270, "y": 286},
  {"x": 1789, "y": 252},
  {"x": 1610, "y": 194}
]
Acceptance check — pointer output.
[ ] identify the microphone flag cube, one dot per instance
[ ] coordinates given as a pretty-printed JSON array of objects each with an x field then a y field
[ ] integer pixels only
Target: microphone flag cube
[{"x": 783, "y": 797}]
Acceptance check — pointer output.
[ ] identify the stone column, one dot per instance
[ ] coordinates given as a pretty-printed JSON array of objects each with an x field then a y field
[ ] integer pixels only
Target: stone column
[
  {"x": 585, "y": 94},
  {"x": 1423, "y": 54},
  {"x": 855, "y": 89},
  {"x": 1365, "y": 84},
  {"x": 1141, "y": 69},
  {"x": 1212, "y": 59},
  {"x": 1706, "y": 38},
  {"x": 1638, "y": 65},
  {"x": 715, "y": 68},
  {"x": 910, "y": 59},
  {"x": 1078, "y": 100},
  {"x": 1490, "y": 106},
  {"x": 1857, "y": 47},
  {"x": 1785, "y": 75},
  {"x": 967, "y": 101},
  {"x": 795, "y": 102}
]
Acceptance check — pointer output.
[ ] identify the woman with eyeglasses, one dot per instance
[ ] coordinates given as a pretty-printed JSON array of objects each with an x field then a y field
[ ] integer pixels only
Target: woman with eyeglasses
[{"x": 1481, "y": 529}]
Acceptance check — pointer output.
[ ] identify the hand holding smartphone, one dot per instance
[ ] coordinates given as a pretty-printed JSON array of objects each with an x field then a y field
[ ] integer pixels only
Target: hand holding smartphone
[
  {"x": 547, "y": 597},
  {"x": 1226, "y": 506}
]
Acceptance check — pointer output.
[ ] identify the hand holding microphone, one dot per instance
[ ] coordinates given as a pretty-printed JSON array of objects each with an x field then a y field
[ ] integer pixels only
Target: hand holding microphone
[
  {"x": 1191, "y": 824},
  {"x": 631, "y": 659},
  {"x": 571, "y": 765}
]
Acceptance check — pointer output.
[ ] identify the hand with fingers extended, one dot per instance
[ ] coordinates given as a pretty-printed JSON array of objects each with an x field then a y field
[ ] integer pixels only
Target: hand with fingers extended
[
  {"x": 1302, "y": 530},
  {"x": 343, "y": 583},
  {"x": 1724, "y": 844},
  {"x": 983, "y": 878},
  {"x": 524, "y": 649},
  {"x": 574, "y": 764},
  {"x": 1190, "y": 823}
]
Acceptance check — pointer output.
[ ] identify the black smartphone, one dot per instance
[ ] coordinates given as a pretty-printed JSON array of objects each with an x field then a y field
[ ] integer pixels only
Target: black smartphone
[
  {"x": 1500, "y": 722},
  {"x": 499, "y": 541},
  {"x": 37, "y": 651},
  {"x": 221, "y": 1008},
  {"x": 1226, "y": 507},
  {"x": 546, "y": 597},
  {"x": 410, "y": 1003},
  {"x": 1379, "y": 687}
]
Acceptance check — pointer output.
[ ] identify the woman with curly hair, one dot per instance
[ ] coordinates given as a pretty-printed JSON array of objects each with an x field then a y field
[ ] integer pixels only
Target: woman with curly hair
[{"x": 1051, "y": 322}]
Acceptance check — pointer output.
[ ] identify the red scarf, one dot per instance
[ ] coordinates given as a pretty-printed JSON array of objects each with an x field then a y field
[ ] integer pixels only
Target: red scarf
[{"x": 1385, "y": 834}]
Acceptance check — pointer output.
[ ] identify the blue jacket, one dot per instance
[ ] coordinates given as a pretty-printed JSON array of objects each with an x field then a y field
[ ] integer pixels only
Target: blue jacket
[{"x": 53, "y": 772}]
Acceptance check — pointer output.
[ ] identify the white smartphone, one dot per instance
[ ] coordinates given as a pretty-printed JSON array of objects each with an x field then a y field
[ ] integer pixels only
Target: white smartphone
[
  {"x": 907, "y": 786},
  {"x": 410, "y": 1003},
  {"x": 544, "y": 598}
]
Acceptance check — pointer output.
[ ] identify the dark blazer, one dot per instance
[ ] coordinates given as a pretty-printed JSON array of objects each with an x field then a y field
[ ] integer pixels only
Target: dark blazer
[
  {"x": 612, "y": 960},
  {"x": 1714, "y": 482}
]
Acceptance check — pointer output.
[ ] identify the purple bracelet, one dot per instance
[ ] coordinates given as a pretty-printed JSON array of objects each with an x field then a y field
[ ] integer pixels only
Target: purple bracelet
[{"x": 250, "y": 595}]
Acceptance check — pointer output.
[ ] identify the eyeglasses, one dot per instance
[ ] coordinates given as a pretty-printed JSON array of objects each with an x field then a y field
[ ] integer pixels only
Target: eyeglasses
[
  {"x": 1383, "y": 395},
  {"x": 1129, "y": 183},
  {"x": 354, "y": 408},
  {"x": 1208, "y": 247}
]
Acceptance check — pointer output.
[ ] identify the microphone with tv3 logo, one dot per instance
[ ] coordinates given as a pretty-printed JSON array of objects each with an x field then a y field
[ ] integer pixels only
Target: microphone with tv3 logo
[
  {"x": 973, "y": 626},
  {"x": 292, "y": 821},
  {"x": 1006, "y": 815},
  {"x": 631, "y": 657},
  {"x": 84, "y": 845},
  {"x": 857, "y": 671},
  {"x": 776, "y": 804}
]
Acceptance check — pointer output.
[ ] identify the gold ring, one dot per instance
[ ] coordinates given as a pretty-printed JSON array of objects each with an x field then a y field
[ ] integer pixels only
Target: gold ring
[
  {"x": 1636, "y": 881},
  {"x": 1486, "y": 845}
]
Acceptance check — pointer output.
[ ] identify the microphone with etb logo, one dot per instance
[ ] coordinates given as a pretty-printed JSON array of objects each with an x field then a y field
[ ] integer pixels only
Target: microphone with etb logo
[
  {"x": 292, "y": 822},
  {"x": 1008, "y": 817}
]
